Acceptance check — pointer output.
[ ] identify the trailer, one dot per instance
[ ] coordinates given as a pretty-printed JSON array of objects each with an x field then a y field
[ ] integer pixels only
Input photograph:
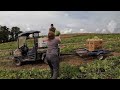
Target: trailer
[{"x": 98, "y": 54}]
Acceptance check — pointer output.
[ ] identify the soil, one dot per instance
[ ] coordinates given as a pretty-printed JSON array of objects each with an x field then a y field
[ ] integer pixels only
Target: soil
[
  {"x": 71, "y": 60},
  {"x": 116, "y": 54},
  {"x": 67, "y": 59}
]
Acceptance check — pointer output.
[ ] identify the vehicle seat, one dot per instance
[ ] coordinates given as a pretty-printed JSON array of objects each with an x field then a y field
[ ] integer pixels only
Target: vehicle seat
[
  {"x": 24, "y": 50},
  {"x": 31, "y": 51}
]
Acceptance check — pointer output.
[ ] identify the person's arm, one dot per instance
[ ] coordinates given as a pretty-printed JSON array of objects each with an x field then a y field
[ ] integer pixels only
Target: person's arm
[
  {"x": 45, "y": 39},
  {"x": 58, "y": 39}
]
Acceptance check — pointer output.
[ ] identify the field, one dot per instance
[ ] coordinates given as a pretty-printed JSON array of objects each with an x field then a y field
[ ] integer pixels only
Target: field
[{"x": 71, "y": 67}]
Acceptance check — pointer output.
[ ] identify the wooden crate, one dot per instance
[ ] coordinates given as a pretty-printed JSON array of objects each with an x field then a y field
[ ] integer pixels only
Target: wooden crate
[{"x": 94, "y": 44}]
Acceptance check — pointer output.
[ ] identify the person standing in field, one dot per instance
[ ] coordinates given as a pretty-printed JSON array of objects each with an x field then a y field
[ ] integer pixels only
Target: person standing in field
[
  {"x": 52, "y": 55},
  {"x": 52, "y": 28}
]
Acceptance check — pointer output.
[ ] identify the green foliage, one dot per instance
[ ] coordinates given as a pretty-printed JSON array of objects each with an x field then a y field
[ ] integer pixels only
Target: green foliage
[
  {"x": 69, "y": 72},
  {"x": 57, "y": 33},
  {"x": 106, "y": 69},
  {"x": 8, "y": 46},
  {"x": 24, "y": 74},
  {"x": 14, "y": 33},
  {"x": 97, "y": 69},
  {"x": 4, "y": 34},
  {"x": 111, "y": 41},
  {"x": 7, "y": 34},
  {"x": 69, "y": 48}
]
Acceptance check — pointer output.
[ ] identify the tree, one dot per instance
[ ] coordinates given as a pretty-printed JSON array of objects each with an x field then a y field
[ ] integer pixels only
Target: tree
[
  {"x": 4, "y": 34},
  {"x": 7, "y": 35},
  {"x": 14, "y": 33}
]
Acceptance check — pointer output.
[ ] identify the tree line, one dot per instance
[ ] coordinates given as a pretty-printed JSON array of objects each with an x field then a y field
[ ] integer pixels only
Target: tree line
[{"x": 9, "y": 34}]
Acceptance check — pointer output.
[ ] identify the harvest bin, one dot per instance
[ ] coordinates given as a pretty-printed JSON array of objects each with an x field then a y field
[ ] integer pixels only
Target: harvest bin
[{"x": 94, "y": 44}]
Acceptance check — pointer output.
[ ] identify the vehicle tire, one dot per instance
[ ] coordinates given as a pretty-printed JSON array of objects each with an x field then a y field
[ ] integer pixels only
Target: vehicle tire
[
  {"x": 100, "y": 57},
  {"x": 17, "y": 62}
]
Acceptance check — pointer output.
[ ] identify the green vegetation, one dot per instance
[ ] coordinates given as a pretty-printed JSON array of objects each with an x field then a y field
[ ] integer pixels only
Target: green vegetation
[
  {"x": 24, "y": 74},
  {"x": 9, "y": 34},
  {"x": 104, "y": 69},
  {"x": 57, "y": 33},
  {"x": 111, "y": 41}
]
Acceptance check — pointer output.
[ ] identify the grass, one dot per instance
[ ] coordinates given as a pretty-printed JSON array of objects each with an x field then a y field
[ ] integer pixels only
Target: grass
[
  {"x": 112, "y": 41},
  {"x": 106, "y": 69}
]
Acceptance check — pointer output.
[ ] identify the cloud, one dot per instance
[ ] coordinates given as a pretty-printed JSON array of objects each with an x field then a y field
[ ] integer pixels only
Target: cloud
[
  {"x": 83, "y": 31},
  {"x": 111, "y": 26},
  {"x": 105, "y": 31},
  {"x": 41, "y": 20},
  {"x": 97, "y": 30},
  {"x": 66, "y": 31}
]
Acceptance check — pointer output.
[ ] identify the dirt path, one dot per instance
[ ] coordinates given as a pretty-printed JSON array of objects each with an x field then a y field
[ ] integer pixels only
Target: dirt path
[
  {"x": 74, "y": 60},
  {"x": 116, "y": 54},
  {"x": 71, "y": 60}
]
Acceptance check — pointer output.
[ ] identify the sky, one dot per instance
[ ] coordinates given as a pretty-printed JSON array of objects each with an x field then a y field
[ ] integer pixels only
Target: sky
[{"x": 64, "y": 21}]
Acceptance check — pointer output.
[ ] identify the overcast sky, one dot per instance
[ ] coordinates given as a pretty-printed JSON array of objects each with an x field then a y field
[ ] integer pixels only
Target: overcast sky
[{"x": 63, "y": 20}]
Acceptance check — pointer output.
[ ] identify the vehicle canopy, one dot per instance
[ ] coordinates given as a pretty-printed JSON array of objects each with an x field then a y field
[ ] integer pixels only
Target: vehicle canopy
[
  {"x": 23, "y": 36},
  {"x": 27, "y": 33}
]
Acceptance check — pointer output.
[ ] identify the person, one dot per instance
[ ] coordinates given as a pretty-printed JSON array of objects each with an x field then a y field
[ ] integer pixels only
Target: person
[
  {"x": 52, "y": 56},
  {"x": 52, "y": 28}
]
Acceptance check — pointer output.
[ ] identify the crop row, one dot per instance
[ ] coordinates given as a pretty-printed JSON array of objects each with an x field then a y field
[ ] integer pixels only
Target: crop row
[{"x": 106, "y": 69}]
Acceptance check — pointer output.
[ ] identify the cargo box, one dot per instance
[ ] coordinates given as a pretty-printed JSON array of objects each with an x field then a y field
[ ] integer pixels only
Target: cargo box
[{"x": 94, "y": 44}]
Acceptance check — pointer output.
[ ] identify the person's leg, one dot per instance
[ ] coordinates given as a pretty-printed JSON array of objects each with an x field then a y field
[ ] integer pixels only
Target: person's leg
[
  {"x": 55, "y": 64},
  {"x": 49, "y": 63},
  {"x": 51, "y": 68}
]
